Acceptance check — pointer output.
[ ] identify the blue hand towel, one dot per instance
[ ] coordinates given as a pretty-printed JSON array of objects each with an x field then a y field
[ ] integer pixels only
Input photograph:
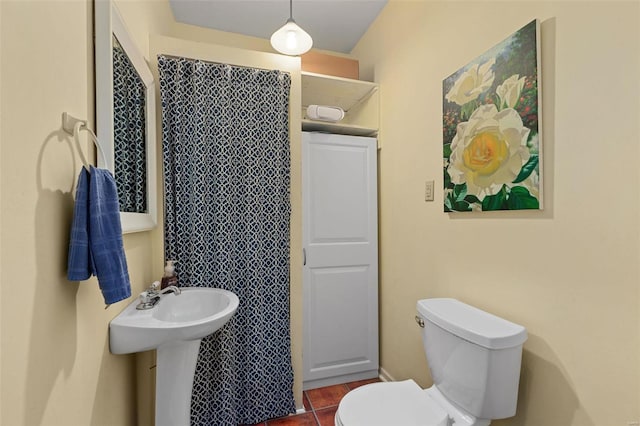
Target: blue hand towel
[
  {"x": 96, "y": 246},
  {"x": 80, "y": 263}
]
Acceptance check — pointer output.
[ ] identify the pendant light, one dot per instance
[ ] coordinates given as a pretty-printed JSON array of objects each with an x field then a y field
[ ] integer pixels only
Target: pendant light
[{"x": 290, "y": 39}]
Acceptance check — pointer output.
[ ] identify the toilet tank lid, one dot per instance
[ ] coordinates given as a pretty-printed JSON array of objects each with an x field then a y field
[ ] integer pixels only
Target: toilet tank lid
[{"x": 472, "y": 324}]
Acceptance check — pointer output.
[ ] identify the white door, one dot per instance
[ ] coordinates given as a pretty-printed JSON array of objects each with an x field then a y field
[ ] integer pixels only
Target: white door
[{"x": 340, "y": 241}]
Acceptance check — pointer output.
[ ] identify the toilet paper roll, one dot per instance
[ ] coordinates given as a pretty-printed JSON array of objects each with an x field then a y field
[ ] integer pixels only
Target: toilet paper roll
[{"x": 325, "y": 113}]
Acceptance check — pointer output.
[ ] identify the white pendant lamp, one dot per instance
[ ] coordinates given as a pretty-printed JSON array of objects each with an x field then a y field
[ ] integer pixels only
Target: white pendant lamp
[{"x": 290, "y": 39}]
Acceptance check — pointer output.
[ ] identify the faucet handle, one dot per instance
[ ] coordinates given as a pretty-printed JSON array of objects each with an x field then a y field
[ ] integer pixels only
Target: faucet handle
[
  {"x": 148, "y": 300},
  {"x": 155, "y": 286},
  {"x": 144, "y": 297}
]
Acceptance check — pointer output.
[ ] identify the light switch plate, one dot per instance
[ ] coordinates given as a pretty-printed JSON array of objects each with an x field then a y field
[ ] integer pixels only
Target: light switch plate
[{"x": 428, "y": 190}]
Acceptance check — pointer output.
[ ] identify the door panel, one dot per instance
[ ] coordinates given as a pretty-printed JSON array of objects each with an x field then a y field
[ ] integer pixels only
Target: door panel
[
  {"x": 340, "y": 277},
  {"x": 338, "y": 206}
]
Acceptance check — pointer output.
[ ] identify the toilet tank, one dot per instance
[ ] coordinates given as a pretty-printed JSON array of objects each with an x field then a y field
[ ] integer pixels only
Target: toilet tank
[{"x": 474, "y": 357}]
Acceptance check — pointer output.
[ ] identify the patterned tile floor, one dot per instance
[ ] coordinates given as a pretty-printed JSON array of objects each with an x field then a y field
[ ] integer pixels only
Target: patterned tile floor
[{"x": 320, "y": 405}]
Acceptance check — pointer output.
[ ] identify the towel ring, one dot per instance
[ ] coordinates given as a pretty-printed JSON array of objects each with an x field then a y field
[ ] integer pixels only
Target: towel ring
[
  {"x": 76, "y": 131},
  {"x": 73, "y": 126}
]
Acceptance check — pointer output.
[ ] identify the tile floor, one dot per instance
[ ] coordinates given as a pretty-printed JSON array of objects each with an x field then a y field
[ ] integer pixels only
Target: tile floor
[{"x": 320, "y": 405}]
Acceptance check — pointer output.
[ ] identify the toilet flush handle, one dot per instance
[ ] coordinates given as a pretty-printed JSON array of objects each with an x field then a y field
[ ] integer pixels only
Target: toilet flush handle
[{"x": 420, "y": 321}]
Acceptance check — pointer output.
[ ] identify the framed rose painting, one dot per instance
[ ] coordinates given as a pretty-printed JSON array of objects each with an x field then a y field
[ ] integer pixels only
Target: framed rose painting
[{"x": 491, "y": 128}]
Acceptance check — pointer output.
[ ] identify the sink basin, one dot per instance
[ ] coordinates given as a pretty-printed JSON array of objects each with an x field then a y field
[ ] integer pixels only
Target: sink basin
[
  {"x": 175, "y": 327},
  {"x": 191, "y": 315}
]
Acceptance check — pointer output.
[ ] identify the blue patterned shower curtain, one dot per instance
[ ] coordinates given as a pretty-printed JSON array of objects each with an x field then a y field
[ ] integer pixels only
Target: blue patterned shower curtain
[{"x": 225, "y": 136}]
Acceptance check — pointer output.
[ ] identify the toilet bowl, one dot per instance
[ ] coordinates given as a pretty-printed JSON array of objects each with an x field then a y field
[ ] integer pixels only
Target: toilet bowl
[
  {"x": 474, "y": 358},
  {"x": 400, "y": 404},
  {"x": 392, "y": 403}
]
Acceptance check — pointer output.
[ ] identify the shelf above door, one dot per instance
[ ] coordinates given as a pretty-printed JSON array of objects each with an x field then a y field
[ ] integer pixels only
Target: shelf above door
[{"x": 358, "y": 99}]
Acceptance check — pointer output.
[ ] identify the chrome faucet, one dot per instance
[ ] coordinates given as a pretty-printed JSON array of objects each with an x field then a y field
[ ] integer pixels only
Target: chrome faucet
[
  {"x": 151, "y": 296},
  {"x": 172, "y": 288}
]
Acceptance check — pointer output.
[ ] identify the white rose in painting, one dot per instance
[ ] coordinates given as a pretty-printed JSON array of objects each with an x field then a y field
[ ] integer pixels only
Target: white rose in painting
[
  {"x": 488, "y": 150},
  {"x": 472, "y": 83},
  {"x": 509, "y": 91}
]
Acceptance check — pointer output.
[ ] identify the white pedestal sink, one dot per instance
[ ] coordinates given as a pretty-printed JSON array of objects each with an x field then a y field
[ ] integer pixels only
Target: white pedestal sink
[{"x": 175, "y": 327}]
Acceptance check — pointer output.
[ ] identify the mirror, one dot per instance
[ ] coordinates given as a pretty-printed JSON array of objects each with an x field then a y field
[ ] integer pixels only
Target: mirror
[{"x": 125, "y": 114}]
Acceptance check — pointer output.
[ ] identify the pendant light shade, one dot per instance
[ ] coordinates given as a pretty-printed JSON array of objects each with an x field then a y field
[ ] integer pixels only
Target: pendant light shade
[{"x": 290, "y": 39}]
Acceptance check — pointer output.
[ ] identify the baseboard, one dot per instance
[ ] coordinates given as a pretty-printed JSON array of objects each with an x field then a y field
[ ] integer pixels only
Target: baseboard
[
  {"x": 337, "y": 380},
  {"x": 385, "y": 376}
]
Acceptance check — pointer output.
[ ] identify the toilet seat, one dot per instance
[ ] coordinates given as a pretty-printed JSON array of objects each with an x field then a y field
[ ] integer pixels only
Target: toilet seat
[{"x": 391, "y": 403}]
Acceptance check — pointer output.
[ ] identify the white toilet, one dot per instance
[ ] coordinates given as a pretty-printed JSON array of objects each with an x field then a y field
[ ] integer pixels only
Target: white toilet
[{"x": 474, "y": 358}]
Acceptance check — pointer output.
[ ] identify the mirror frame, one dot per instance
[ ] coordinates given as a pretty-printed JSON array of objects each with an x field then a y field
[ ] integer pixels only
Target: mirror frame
[{"x": 109, "y": 23}]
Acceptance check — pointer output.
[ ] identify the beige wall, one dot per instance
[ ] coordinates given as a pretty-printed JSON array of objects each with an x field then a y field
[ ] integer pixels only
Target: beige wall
[
  {"x": 570, "y": 273},
  {"x": 1, "y": 341},
  {"x": 56, "y": 365}
]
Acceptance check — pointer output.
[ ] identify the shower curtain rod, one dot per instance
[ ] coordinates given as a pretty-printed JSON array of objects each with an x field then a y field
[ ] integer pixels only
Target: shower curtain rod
[{"x": 219, "y": 63}]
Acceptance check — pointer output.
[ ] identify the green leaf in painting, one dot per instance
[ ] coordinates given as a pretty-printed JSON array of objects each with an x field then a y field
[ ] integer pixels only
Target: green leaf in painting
[
  {"x": 495, "y": 202},
  {"x": 448, "y": 199},
  {"x": 521, "y": 199},
  {"x": 462, "y": 206},
  {"x": 459, "y": 192},
  {"x": 468, "y": 109},
  {"x": 455, "y": 199},
  {"x": 447, "y": 180},
  {"x": 464, "y": 112},
  {"x": 472, "y": 199},
  {"x": 527, "y": 169},
  {"x": 446, "y": 150}
]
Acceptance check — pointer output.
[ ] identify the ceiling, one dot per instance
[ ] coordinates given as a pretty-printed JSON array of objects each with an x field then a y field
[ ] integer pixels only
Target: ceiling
[{"x": 334, "y": 25}]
